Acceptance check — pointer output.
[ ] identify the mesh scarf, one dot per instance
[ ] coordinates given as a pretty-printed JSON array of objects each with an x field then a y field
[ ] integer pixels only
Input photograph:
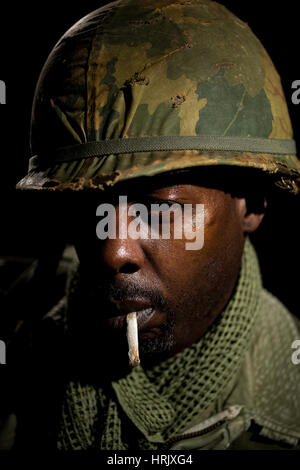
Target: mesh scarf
[{"x": 148, "y": 407}]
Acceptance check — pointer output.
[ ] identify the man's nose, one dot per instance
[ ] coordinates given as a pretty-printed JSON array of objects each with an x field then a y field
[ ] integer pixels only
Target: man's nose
[{"x": 122, "y": 254}]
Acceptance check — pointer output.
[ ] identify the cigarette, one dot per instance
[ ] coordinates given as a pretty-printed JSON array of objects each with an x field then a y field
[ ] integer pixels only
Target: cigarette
[{"x": 132, "y": 338}]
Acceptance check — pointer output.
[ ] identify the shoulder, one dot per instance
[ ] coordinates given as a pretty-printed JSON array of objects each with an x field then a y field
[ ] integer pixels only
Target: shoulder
[{"x": 268, "y": 385}]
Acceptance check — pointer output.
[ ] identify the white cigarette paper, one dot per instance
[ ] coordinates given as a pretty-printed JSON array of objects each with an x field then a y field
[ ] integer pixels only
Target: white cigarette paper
[{"x": 132, "y": 338}]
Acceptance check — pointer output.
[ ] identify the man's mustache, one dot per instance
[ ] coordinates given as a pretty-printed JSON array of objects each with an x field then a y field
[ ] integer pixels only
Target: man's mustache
[
  {"x": 119, "y": 293},
  {"x": 107, "y": 291}
]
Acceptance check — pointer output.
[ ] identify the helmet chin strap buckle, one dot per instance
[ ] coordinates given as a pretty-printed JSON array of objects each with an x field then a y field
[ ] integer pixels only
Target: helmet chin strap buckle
[{"x": 287, "y": 183}]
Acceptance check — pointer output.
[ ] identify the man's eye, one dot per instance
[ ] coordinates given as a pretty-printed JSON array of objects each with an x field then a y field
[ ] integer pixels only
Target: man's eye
[
  {"x": 164, "y": 213},
  {"x": 164, "y": 207},
  {"x": 157, "y": 212}
]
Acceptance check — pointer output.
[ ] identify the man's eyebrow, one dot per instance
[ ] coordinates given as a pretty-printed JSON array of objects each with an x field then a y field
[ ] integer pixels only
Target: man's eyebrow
[{"x": 152, "y": 198}]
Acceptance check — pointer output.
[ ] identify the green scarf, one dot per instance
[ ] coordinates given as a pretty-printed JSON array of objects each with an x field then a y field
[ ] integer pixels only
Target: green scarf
[{"x": 148, "y": 407}]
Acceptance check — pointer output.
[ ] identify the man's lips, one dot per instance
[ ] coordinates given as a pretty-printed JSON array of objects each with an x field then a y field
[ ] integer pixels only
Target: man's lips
[
  {"x": 127, "y": 305},
  {"x": 143, "y": 317}
]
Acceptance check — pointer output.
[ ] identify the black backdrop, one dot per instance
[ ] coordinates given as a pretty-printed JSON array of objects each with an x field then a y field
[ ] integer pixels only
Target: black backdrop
[{"x": 28, "y": 32}]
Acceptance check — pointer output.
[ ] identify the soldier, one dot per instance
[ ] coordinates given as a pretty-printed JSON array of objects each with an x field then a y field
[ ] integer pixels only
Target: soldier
[{"x": 172, "y": 102}]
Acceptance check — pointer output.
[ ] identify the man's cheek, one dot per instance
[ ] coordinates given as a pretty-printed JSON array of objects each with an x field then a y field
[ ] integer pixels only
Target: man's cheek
[{"x": 194, "y": 226}]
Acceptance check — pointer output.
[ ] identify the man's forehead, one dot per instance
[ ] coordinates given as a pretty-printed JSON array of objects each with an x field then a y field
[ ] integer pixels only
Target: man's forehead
[
  {"x": 136, "y": 191},
  {"x": 177, "y": 182},
  {"x": 195, "y": 186}
]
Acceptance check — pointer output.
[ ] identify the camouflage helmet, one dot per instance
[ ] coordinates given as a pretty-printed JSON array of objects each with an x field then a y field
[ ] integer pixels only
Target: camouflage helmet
[{"x": 141, "y": 88}]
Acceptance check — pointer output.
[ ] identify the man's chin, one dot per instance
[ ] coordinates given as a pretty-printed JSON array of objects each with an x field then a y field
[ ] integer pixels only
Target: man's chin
[
  {"x": 103, "y": 345},
  {"x": 156, "y": 344}
]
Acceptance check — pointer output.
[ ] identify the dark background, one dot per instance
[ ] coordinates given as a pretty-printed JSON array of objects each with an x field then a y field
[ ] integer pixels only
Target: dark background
[{"x": 28, "y": 33}]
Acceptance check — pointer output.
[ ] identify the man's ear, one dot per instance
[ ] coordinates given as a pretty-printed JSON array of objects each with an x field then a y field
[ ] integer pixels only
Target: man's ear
[{"x": 251, "y": 213}]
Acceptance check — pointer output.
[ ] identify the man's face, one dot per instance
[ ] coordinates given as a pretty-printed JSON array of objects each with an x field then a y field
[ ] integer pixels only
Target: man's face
[{"x": 177, "y": 293}]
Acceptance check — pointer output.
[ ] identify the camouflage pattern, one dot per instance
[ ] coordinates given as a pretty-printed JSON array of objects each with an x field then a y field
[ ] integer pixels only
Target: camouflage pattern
[{"x": 157, "y": 68}]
